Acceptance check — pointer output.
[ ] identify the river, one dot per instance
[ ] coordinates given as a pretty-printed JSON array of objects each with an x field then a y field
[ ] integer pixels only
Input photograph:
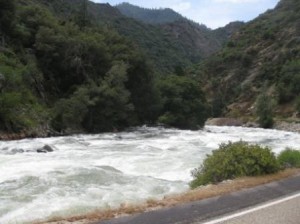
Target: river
[{"x": 88, "y": 172}]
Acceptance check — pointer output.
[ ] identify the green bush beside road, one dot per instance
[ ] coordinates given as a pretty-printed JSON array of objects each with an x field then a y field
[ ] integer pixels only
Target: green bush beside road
[
  {"x": 289, "y": 158},
  {"x": 233, "y": 160}
]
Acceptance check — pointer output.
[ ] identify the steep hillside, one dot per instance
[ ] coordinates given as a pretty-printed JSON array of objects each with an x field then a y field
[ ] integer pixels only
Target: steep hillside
[
  {"x": 264, "y": 53},
  {"x": 223, "y": 34},
  {"x": 163, "y": 49},
  {"x": 58, "y": 75},
  {"x": 62, "y": 71},
  {"x": 197, "y": 41},
  {"x": 177, "y": 36},
  {"x": 192, "y": 40},
  {"x": 152, "y": 16}
]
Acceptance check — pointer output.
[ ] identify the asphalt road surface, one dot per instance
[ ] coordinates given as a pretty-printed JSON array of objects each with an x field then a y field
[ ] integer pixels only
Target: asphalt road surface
[
  {"x": 282, "y": 211},
  {"x": 208, "y": 210}
]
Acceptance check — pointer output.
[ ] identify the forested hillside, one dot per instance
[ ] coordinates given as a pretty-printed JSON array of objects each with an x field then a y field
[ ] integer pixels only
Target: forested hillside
[
  {"x": 62, "y": 71},
  {"x": 172, "y": 39},
  {"x": 263, "y": 58},
  {"x": 164, "y": 47},
  {"x": 171, "y": 43}
]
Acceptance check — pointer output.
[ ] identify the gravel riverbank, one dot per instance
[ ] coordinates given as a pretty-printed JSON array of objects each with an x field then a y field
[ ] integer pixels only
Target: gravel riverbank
[{"x": 279, "y": 125}]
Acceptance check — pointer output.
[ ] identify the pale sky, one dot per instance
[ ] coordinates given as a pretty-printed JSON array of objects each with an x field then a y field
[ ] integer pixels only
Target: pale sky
[{"x": 213, "y": 13}]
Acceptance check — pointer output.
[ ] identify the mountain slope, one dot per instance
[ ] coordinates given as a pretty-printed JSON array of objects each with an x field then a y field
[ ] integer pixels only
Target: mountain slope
[
  {"x": 265, "y": 52},
  {"x": 56, "y": 74},
  {"x": 197, "y": 41},
  {"x": 167, "y": 45},
  {"x": 151, "y": 16},
  {"x": 223, "y": 34},
  {"x": 64, "y": 69}
]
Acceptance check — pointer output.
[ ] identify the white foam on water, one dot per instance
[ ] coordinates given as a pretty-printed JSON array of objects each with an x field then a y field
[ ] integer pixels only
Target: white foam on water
[{"x": 88, "y": 172}]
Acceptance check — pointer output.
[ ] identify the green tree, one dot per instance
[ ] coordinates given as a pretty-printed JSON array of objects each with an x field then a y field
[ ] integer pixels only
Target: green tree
[
  {"x": 30, "y": 19},
  {"x": 184, "y": 103},
  {"x": 111, "y": 108},
  {"x": 7, "y": 17},
  {"x": 68, "y": 114},
  {"x": 143, "y": 91},
  {"x": 96, "y": 107},
  {"x": 69, "y": 57},
  {"x": 264, "y": 109}
]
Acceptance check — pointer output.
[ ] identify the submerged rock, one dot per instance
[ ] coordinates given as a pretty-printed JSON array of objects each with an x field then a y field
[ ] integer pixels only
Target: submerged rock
[
  {"x": 45, "y": 149},
  {"x": 15, "y": 151}
]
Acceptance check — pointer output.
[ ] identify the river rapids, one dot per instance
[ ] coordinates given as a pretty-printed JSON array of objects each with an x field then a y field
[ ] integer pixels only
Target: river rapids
[{"x": 89, "y": 172}]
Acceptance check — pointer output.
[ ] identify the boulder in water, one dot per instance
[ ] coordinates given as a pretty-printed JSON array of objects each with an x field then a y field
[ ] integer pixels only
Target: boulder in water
[{"x": 45, "y": 149}]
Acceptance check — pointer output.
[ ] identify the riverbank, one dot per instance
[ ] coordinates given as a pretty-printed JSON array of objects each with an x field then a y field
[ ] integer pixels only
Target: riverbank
[
  {"x": 37, "y": 133},
  {"x": 291, "y": 126},
  {"x": 201, "y": 193}
]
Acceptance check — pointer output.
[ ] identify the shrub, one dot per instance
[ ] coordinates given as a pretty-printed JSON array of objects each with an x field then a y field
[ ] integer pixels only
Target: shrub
[
  {"x": 234, "y": 160},
  {"x": 289, "y": 158}
]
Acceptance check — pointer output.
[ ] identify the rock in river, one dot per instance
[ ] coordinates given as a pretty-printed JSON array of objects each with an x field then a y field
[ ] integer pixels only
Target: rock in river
[{"x": 45, "y": 149}]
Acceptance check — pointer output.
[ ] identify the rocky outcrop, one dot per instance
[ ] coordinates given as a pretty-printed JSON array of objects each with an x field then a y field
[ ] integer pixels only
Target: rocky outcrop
[
  {"x": 224, "y": 122},
  {"x": 287, "y": 126},
  {"x": 279, "y": 125}
]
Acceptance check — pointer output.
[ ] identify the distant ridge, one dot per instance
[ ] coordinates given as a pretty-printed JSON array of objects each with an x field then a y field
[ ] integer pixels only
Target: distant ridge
[
  {"x": 186, "y": 38},
  {"x": 151, "y": 16}
]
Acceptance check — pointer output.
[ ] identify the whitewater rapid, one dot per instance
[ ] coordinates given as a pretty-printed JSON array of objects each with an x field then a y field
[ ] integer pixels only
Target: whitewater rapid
[{"x": 88, "y": 172}]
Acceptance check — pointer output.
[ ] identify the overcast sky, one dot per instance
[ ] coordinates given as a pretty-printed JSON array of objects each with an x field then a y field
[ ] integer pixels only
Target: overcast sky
[{"x": 213, "y": 13}]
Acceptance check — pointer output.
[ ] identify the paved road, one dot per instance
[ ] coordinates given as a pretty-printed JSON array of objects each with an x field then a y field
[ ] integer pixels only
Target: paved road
[
  {"x": 208, "y": 209},
  {"x": 282, "y": 211}
]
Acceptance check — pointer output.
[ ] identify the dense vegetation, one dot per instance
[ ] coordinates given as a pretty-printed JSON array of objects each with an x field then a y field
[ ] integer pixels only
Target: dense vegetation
[
  {"x": 264, "y": 109},
  {"x": 165, "y": 49},
  {"x": 170, "y": 39},
  {"x": 71, "y": 74},
  {"x": 77, "y": 66},
  {"x": 265, "y": 50},
  {"x": 289, "y": 158},
  {"x": 235, "y": 160},
  {"x": 184, "y": 104}
]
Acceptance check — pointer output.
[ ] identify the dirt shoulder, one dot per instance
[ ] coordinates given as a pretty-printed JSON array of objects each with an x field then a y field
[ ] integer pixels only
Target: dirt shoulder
[{"x": 201, "y": 193}]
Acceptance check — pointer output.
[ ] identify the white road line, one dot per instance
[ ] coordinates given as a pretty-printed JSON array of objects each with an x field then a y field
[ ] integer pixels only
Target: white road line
[{"x": 226, "y": 218}]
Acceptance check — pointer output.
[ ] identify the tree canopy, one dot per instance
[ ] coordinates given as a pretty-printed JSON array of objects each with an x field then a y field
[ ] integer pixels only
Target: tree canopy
[{"x": 58, "y": 74}]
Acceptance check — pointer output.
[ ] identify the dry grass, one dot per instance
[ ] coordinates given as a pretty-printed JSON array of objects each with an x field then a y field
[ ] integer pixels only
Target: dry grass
[{"x": 172, "y": 200}]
